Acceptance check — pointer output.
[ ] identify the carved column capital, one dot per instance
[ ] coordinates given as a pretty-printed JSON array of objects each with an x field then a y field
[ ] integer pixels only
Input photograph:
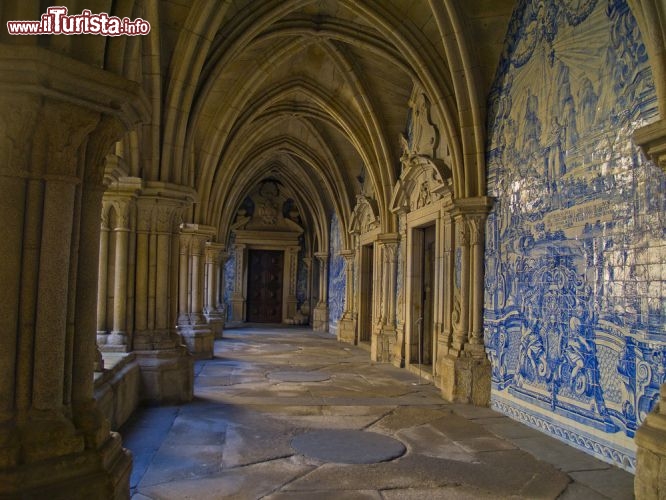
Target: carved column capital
[
  {"x": 106, "y": 205},
  {"x": 348, "y": 255},
  {"x": 122, "y": 208},
  {"x": 477, "y": 229},
  {"x": 184, "y": 241},
  {"x": 213, "y": 252},
  {"x": 322, "y": 257},
  {"x": 462, "y": 233}
]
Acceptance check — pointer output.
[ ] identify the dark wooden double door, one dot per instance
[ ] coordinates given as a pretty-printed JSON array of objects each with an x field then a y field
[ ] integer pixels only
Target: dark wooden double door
[{"x": 264, "y": 286}]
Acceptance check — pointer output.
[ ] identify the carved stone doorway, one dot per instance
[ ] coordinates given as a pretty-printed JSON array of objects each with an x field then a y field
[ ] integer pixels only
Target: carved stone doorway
[
  {"x": 367, "y": 276},
  {"x": 264, "y": 286},
  {"x": 423, "y": 287}
]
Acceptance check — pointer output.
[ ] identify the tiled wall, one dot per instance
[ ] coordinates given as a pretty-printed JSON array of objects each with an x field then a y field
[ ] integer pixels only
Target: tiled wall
[
  {"x": 575, "y": 302},
  {"x": 336, "y": 277},
  {"x": 302, "y": 276},
  {"x": 229, "y": 275}
]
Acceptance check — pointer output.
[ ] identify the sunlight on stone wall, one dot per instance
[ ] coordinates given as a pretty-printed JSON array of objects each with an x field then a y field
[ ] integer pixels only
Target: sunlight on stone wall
[
  {"x": 336, "y": 277},
  {"x": 575, "y": 297}
]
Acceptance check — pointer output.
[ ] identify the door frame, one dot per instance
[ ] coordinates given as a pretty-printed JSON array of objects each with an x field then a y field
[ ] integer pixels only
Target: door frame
[
  {"x": 286, "y": 241},
  {"x": 418, "y": 221},
  {"x": 366, "y": 301}
]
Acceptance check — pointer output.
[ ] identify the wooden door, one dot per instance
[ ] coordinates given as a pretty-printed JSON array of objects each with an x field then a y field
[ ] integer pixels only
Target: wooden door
[
  {"x": 264, "y": 287},
  {"x": 428, "y": 294},
  {"x": 367, "y": 275}
]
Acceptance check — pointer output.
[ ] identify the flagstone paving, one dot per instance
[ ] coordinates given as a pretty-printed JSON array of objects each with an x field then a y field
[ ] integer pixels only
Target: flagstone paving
[{"x": 282, "y": 414}]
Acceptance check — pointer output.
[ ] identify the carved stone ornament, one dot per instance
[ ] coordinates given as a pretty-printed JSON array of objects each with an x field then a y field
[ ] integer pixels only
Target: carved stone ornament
[
  {"x": 365, "y": 216},
  {"x": 423, "y": 181},
  {"x": 422, "y": 136}
]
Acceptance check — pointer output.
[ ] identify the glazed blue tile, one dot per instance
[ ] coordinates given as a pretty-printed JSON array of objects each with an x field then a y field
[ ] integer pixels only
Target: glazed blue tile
[
  {"x": 336, "y": 276},
  {"x": 574, "y": 306}
]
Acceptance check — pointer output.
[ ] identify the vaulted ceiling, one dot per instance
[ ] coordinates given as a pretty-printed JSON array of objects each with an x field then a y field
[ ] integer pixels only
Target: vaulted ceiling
[
  {"x": 311, "y": 92},
  {"x": 315, "y": 93}
]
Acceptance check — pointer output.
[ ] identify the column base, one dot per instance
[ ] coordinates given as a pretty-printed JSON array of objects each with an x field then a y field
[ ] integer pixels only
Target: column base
[
  {"x": 116, "y": 342},
  {"x": 102, "y": 473},
  {"x": 167, "y": 375},
  {"x": 650, "y": 481},
  {"x": 215, "y": 322},
  {"x": 320, "y": 318},
  {"x": 465, "y": 380},
  {"x": 347, "y": 329},
  {"x": 199, "y": 340},
  {"x": 381, "y": 345}
]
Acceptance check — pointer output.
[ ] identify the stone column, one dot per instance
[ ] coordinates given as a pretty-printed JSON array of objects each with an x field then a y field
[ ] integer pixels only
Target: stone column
[
  {"x": 52, "y": 145},
  {"x": 143, "y": 247},
  {"x": 347, "y": 323},
  {"x": 215, "y": 256},
  {"x": 465, "y": 369},
  {"x": 192, "y": 326},
  {"x": 119, "y": 200},
  {"x": 102, "y": 284},
  {"x": 650, "y": 481},
  {"x": 320, "y": 313},
  {"x": 184, "y": 280},
  {"x": 118, "y": 337},
  {"x": 166, "y": 366}
]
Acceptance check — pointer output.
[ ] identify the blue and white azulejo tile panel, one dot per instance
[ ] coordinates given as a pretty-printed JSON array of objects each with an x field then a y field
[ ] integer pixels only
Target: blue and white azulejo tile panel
[
  {"x": 575, "y": 302},
  {"x": 336, "y": 277}
]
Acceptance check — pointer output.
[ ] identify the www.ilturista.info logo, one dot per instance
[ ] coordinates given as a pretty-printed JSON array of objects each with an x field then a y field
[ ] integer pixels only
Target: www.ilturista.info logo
[{"x": 56, "y": 22}]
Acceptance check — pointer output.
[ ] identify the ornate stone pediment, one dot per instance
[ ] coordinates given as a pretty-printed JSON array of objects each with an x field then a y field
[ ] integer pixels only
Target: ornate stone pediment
[
  {"x": 268, "y": 213},
  {"x": 365, "y": 216},
  {"x": 423, "y": 181}
]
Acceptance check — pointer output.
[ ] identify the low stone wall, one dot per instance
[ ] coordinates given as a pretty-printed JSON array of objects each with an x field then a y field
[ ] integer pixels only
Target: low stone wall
[{"x": 117, "y": 388}]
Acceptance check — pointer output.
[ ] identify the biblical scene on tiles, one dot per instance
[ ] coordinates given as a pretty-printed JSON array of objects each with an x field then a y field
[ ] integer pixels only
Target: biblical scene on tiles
[
  {"x": 576, "y": 259},
  {"x": 336, "y": 277}
]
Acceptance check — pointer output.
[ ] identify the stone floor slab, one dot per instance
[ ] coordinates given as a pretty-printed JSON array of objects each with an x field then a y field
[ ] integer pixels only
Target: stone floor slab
[
  {"x": 235, "y": 439},
  {"x": 326, "y": 495},
  {"x": 562, "y": 456},
  {"x": 298, "y": 376},
  {"x": 617, "y": 485},
  {"x": 348, "y": 446}
]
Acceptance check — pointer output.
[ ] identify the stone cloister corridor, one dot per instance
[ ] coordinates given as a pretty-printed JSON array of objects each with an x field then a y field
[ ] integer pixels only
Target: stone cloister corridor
[
  {"x": 472, "y": 193},
  {"x": 269, "y": 417}
]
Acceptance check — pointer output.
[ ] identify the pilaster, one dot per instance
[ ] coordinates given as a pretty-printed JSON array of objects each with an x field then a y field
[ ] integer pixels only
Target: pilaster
[
  {"x": 238, "y": 295},
  {"x": 465, "y": 370},
  {"x": 382, "y": 345},
  {"x": 347, "y": 323}
]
